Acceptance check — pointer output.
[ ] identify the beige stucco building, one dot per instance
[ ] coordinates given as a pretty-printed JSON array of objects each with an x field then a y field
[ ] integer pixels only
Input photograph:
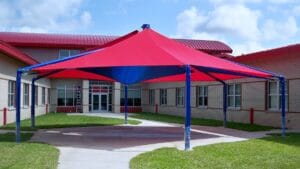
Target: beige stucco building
[{"x": 90, "y": 96}]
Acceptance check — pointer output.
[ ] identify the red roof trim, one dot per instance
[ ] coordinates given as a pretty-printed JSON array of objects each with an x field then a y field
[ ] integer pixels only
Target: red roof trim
[
  {"x": 275, "y": 52},
  {"x": 15, "y": 53},
  {"x": 92, "y": 41},
  {"x": 208, "y": 46}
]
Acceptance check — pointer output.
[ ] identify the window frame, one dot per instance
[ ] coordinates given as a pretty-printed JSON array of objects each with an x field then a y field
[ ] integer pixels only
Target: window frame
[
  {"x": 25, "y": 95},
  {"x": 43, "y": 96},
  {"x": 151, "y": 96},
  {"x": 36, "y": 103},
  {"x": 202, "y": 96},
  {"x": 234, "y": 95},
  {"x": 11, "y": 102},
  {"x": 48, "y": 96},
  {"x": 65, "y": 90},
  {"x": 133, "y": 90},
  {"x": 180, "y": 96},
  {"x": 69, "y": 51},
  {"x": 277, "y": 95},
  {"x": 163, "y": 97}
]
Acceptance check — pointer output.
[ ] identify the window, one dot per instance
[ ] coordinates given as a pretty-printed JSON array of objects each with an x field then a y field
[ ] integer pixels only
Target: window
[
  {"x": 202, "y": 94},
  {"x": 163, "y": 97},
  {"x": 49, "y": 90},
  {"x": 134, "y": 95},
  {"x": 66, "y": 96},
  {"x": 25, "y": 95},
  {"x": 180, "y": 96},
  {"x": 274, "y": 95},
  {"x": 36, "y": 95},
  {"x": 11, "y": 94},
  {"x": 66, "y": 53},
  {"x": 234, "y": 96},
  {"x": 43, "y": 95},
  {"x": 152, "y": 96}
]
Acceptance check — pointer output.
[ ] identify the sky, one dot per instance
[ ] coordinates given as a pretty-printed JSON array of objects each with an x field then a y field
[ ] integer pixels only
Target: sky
[{"x": 245, "y": 25}]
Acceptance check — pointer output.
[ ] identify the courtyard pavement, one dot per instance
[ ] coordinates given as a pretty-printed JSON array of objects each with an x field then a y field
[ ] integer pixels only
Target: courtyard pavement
[{"x": 113, "y": 146}]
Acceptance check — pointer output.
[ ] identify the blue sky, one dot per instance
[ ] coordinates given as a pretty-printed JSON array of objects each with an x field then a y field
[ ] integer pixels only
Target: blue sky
[{"x": 245, "y": 25}]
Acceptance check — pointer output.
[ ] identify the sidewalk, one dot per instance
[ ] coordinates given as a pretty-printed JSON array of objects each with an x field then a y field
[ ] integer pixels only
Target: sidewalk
[{"x": 114, "y": 147}]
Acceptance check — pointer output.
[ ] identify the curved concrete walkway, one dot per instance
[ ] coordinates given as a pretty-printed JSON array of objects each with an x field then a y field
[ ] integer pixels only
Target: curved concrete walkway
[{"x": 113, "y": 146}]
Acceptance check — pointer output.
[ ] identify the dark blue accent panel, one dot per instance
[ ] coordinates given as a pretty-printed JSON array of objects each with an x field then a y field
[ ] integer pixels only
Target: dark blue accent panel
[
  {"x": 126, "y": 104},
  {"x": 18, "y": 105},
  {"x": 282, "y": 85},
  {"x": 187, "y": 132},
  {"x": 224, "y": 104},
  {"x": 33, "y": 95},
  {"x": 135, "y": 74},
  {"x": 145, "y": 26},
  {"x": 33, "y": 103}
]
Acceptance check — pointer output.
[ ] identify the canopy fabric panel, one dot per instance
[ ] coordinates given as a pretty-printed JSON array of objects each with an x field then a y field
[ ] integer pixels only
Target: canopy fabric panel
[
  {"x": 78, "y": 74},
  {"x": 135, "y": 74},
  {"x": 149, "y": 55}
]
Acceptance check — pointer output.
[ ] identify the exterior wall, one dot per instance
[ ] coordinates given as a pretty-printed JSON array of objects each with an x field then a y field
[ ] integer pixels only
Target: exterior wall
[
  {"x": 56, "y": 83},
  {"x": 85, "y": 96},
  {"x": 253, "y": 95},
  {"x": 116, "y": 105},
  {"x": 8, "y": 68},
  {"x": 253, "y": 91},
  {"x": 41, "y": 54}
]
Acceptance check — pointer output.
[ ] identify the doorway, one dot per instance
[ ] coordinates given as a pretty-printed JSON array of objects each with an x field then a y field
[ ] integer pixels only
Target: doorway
[{"x": 99, "y": 102}]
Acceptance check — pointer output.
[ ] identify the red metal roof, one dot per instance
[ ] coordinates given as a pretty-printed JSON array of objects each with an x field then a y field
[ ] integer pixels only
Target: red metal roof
[
  {"x": 91, "y": 41},
  {"x": 15, "y": 53},
  {"x": 208, "y": 46},
  {"x": 270, "y": 53}
]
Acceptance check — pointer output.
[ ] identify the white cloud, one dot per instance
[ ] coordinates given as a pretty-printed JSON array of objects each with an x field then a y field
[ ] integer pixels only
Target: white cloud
[
  {"x": 234, "y": 19},
  {"x": 296, "y": 10},
  {"x": 243, "y": 28},
  {"x": 86, "y": 18},
  {"x": 280, "y": 30},
  {"x": 246, "y": 47},
  {"x": 43, "y": 15},
  {"x": 218, "y": 2},
  {"x": 188, "y": 22}
]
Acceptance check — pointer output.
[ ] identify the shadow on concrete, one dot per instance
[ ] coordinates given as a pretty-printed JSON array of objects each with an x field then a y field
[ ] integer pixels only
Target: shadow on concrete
[{"x": 113, "y": 137}]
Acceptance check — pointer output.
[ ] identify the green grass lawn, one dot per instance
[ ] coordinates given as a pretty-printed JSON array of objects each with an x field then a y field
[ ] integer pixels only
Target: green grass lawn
[
  {"x": 62, "y": 120},
  {"x": 198, "y": 121},
  {"x": 26, "y": 155},
  {"x": 266, "y": 153}
]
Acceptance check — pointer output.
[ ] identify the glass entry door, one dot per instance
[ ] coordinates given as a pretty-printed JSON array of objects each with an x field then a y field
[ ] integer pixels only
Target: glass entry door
[
  {"x": 99, "y": 102},
  {"x": 104, "y": 102},
  {"x": 95, "y": 102}
]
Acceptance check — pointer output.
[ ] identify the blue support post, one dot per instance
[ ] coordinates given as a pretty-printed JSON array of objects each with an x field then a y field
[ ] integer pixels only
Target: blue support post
[
  {"x": 224, "y": 104},
  {"x": 126, "y": 104},
  {"x": 18, "y": 105},
  {"x": 33, "y": 103},
  {"x": 187, "y": 133},
  {"x": 282, "y": 85}
]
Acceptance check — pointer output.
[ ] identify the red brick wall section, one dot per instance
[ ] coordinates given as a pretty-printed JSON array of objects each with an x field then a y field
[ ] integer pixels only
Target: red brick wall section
[
  {"x": 66, "y": 109},
  {"x": 131, "y": 109}
]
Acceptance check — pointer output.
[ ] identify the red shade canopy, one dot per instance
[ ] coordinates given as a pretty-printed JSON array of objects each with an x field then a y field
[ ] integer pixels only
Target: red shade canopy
[
  {"x": 148, "y": 49},
  {"x": 78, "y": 74}
]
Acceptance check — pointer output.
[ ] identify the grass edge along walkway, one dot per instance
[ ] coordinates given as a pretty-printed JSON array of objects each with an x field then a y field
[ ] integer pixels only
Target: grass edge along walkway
[
  {"x": 62, "y": 120},
  {"x": 269, "y": 152},
  {"x": 29, "y": 155},
  {"x": 200, "y": 121}
]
